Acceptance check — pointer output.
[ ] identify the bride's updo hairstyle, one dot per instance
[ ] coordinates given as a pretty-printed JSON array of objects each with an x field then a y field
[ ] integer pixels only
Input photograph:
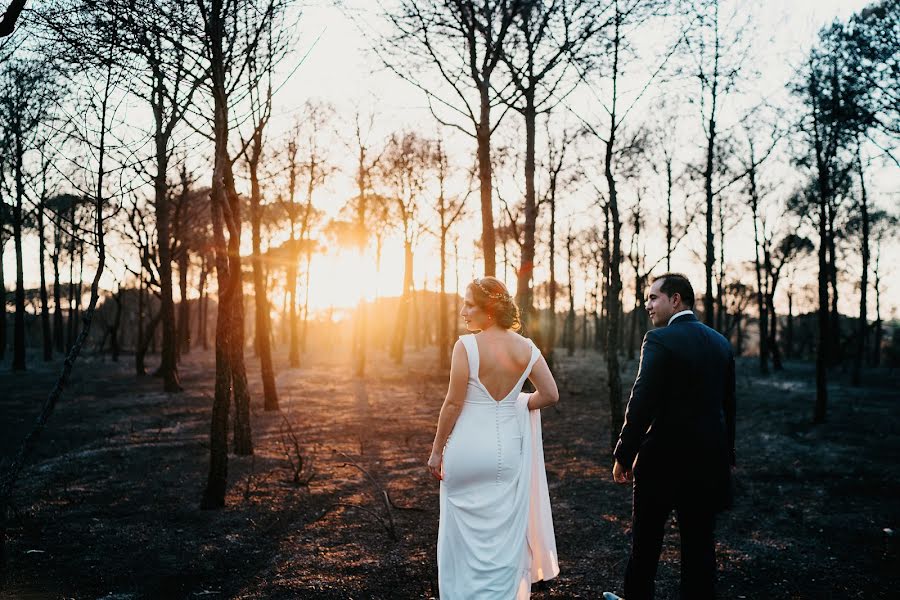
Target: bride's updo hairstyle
[{"x": 491, "y": 296}]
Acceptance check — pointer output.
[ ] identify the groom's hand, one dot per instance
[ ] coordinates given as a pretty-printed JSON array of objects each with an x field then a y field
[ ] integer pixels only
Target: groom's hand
[{"x": 620, "y": 475}]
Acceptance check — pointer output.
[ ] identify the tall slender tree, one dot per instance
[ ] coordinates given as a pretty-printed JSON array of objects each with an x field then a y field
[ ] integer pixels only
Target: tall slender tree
[
  {"x": 232, "y": 31},
  {"x": 27, "y": 88},
  {"x": 547, "y": 37},
  {"x": 463, "y": 41}
]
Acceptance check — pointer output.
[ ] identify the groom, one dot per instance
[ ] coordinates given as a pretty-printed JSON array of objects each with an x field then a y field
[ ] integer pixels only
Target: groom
[{"x": 677, "y": 443}]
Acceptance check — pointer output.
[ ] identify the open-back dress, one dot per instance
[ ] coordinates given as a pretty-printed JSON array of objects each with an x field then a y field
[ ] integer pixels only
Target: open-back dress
[{"x": 495, "y": 536}]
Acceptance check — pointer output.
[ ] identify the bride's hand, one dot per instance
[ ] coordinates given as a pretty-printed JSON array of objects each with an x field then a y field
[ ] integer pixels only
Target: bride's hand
[{"x": 434, "y": 465}]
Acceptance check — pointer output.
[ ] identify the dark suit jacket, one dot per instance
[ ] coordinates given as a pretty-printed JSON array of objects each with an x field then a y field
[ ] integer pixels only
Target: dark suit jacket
[{"x": 679, "y": 421}]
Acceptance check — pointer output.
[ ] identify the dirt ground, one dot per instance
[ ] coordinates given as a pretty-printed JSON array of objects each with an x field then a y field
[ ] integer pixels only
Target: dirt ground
[{"x": 108, "y": 507}]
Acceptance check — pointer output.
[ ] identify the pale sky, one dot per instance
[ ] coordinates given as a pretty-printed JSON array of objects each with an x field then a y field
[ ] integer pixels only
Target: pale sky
[{"x": 340, "y": 70}]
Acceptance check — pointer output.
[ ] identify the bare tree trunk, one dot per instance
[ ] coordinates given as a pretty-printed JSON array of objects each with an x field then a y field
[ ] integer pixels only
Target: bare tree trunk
[
  {"x": 306, "y": 288},
  {"x": 145, "y": 340},
  {"x": 614, "y": 376},
  {"x": 242, "y": 435},
  {"x": 524, "y": 293},
  {"x": 456, "y": 293},
  {"x": 139, "y": 368},
  {"x": 483, "y": 136},
  {"x": 669, "y": 233},
  {"x": 261, "y": 301},
  {"x": 876, "y": 350},
  {"x": 708, "y": 315},
  {"x": 57, "y": 288},
  {"x": 71, "y": 322},
  {"x": 863, "y": 325},
  {"x": 225, "y": 207},
  {"x": 584, "y": 315},
  {"x": 168, "y": 367},
  {"x": 551, "y": 333},
  {"x": 184, "y": 308},
  {"x": 822, "y": 335},
  {"x": 570, "y": 316},
  {"x": 789, "y": 327},
  {"x": 773, "y": 336},
  {"x": 18, "y": 361},
  {"x": 837, "y": 350},
  {"x": 115, "y": 349},
  {"x": 760, "y": 292},
  {"x": 720, "y": 279},
  {"x": 294, "y": 343},
  {"x": 399, "y": 340},
  {"x": 217, "y": 479},
  {"x": 443, "y": 332},
  {"x": 3, "y": 294},
  {"x": 42, "y": 253},
  {"x": 201, "y": 292}
]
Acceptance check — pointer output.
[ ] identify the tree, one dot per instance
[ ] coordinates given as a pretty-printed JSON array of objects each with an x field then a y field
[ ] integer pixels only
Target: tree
[
  {"x": 750, "y": 168},
  {"x": 559, "y": 178},
  {"x": 546, "y": 38},
  {"x": 261, "y": 65},
  {"x": 8, "y": 23},
  {"x": 232, "y": 31},
  {"x": 719, "y": 54},
  {"x": 97, "y": 138},
  {"x": 615, "y": 49},
  {"x": 863, "y": 324},
  {"x": 308, "y": 166},
  {"x": 42, "y": 197},
  {"x": 830, "y": 125},
  {"x": 405, "y": 169},
  {"x": 776, "y": 257},
  {"x": 884, "y": 227},
  {"x": 464, "y": 41},
  {"x": 449, "y": 209},
  {"x": 365, "y": 208},
  {"x": 163, "y": 77},
  {"x": 27, "y": 91}
]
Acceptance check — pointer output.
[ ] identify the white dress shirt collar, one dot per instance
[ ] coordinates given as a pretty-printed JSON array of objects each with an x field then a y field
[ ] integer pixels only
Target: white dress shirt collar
[{"x": 678, "y": 314}]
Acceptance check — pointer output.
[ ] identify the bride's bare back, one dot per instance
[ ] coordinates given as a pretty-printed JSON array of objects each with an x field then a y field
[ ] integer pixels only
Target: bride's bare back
[{"x": 504, "y": 355}]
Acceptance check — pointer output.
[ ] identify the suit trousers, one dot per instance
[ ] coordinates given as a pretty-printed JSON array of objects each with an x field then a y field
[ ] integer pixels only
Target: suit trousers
[{"x": 652, "y": 505}]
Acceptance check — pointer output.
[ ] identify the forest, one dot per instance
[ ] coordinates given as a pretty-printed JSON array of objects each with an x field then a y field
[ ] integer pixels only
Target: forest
[{"x": 235, "y": 238}]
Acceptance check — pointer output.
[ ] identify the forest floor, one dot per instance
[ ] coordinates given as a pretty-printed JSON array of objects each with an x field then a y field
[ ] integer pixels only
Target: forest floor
[{"x": 108, "y": 506}]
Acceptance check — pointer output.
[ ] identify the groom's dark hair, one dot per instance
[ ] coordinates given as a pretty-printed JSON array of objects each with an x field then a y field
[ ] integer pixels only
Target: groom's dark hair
[{"x": 676, "y": 283}]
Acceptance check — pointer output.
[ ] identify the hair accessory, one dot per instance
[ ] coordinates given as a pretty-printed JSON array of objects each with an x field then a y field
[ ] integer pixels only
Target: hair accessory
[{"x": 492, "y": 296}]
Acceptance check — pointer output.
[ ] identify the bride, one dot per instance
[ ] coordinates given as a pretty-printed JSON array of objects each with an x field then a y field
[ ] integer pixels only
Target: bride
[{"x": 495, "y": 536}]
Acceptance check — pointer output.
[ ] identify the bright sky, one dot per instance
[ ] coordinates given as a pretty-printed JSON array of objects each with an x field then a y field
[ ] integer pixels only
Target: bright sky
[{"x": 340, "y": 70}]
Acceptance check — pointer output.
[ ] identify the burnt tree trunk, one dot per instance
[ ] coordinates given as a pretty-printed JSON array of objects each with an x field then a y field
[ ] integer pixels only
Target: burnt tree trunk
[
  {"x": 862, "y": 330},
  {"x": 483, "y": 137},
  {"x": 168, "y": 367},
  {"x": 524, "y": 294},
  {"x": 45, "y": 301},
  {"x": 261, "y": 301},
  {"x": 398, "y": 343},
  {"x": 760, "y": 291},
  {"x": 18, "y": 360},
  {"x": 58, "y": 340},
  {"x": 876, "y": 350},
  {"x": 2, "y": 294},
  {"x": 614, "y": 376},
  {"x": 824, "y": 195},
  {"x": 184, "y": 307}
]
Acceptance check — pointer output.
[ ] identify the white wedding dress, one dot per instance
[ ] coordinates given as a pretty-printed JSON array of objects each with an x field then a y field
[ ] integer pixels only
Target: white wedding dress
[{"x": 495, "y": 536}]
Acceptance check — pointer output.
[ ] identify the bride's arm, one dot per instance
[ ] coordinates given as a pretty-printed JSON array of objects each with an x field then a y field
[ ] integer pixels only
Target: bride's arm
[
  {"x": 453, "y": 403},
  {"x": 546, "y": 393}
]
